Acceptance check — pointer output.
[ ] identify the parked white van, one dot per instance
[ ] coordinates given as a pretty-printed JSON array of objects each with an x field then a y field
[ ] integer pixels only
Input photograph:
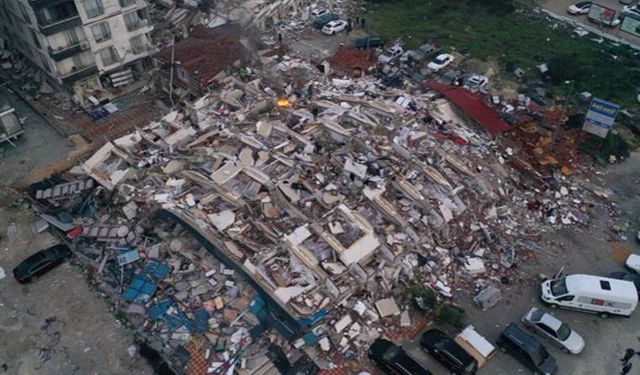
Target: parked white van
[{"x": 595, "y": 294}]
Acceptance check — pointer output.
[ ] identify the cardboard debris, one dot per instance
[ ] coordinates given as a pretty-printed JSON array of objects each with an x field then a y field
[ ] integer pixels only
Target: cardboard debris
[{"x": 387, "y": 307}]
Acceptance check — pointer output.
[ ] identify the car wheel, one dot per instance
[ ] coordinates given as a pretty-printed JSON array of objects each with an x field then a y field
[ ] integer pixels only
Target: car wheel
[
  {"x": 603, "y": 315},
  {"x": 553, "y": 306},
  {"x": 566, "y": 350}
]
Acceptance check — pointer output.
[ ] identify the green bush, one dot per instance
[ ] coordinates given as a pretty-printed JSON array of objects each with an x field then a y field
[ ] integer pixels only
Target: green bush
[
  {"x": 424, "y": 298},
  {"x": 601, "y": 149},
  {"x": 450, "y": 315}
]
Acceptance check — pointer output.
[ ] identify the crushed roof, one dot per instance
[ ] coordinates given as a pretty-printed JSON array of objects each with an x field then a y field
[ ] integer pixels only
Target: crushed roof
[
  {"x": 206, "y": 52},
  {"x": 473, "y": 105}
]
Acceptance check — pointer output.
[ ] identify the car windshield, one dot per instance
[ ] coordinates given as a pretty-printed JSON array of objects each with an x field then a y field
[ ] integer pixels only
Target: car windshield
[
  {"x": 563, "y": 332},
  {"x": 536, "y": 315},
  {"x": 540, "y": 355},
  {"x": 391, "y": 353},
  {"x": 439, "y": 60},
  {"x": 559, "y": 287},
  {"x": 470, "y": 367}
]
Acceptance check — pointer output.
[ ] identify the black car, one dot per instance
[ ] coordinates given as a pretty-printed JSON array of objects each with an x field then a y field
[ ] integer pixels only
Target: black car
[
  {"x": 40, "y": 263},
  {"x": 371, "y": 41},
  {"x": 634, "y": 278},
  {"x": 527, "y": 350},
  {"x": 448, "y": 352},
  {"x": 394, "y": 360}
]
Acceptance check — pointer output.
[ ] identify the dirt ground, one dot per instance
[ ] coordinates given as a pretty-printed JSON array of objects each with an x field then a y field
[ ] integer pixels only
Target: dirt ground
[
  {"x": 581, "y": 251},
  {"x": 56, "y": 325}
]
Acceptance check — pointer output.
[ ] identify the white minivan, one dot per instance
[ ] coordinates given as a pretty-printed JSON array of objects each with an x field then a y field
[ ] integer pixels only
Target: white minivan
[{"x": 595, "y": 294}]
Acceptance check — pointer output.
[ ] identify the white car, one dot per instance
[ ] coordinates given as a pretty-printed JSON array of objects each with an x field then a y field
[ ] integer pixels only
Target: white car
[
  {"x": 390, "y": 54},
  {"x": 440, "y": 62},
  {"x": 547, "y": 325},
  {"x": 633, "y": 263},
  {"x": 333, "y": 27},
  {"x": 319, "y": 12},
  {"x": 582, "y": 7},
  {"x": 633, "y": 10},
  {"x": 476, "y": 81}
]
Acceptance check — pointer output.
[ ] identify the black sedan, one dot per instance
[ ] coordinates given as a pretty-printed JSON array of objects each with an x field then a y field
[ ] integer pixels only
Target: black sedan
[
  {"x": 394, "y": 360},
  {"x": 40, "y": 263},
  {"x": 634, "y": 278},
  {"x": 448, "y": 352}
]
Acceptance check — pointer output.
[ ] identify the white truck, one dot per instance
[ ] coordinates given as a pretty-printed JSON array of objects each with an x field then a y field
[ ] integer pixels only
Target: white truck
[{"x": 594, "y": 294}]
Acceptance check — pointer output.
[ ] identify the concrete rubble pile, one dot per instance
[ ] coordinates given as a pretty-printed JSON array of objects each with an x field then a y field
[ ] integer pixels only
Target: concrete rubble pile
[
  {"x": 30, "y": 81},
  {"x": 322, "y": 199}
]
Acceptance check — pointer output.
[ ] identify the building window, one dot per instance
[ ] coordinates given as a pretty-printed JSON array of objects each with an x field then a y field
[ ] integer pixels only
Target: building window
[
  {"x": 134, "y": 20},
  {"x": 138, "y": 44},
  {"x": 109, "y": 56},
  {"x": 71, "y": 37},
  {"x": 126, "y": 3},
  {"x": 77, "y": 62},
  {"x": 101, "y": 31},
  {"x": 36, "y": 41},
  {"x": 93, "y": 8},
  {"x": 56, "y": 13}
]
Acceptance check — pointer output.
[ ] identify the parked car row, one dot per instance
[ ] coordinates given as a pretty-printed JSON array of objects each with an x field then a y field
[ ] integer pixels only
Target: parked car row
[
  {"x": 585, "y": 7},
  {"x": 329, "y": 23},
  {"x": 613, "y": 295},
  {"x": 395, "y": 360}
]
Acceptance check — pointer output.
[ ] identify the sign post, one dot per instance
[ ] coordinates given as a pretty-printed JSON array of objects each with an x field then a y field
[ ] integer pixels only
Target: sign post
[{"x": 600, "y": 117}]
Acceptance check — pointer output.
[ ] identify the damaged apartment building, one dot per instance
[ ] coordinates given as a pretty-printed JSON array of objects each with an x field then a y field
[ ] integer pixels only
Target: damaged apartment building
[
  {"x": 326, "y": 202},
  {"x": 85, "y": 46}
]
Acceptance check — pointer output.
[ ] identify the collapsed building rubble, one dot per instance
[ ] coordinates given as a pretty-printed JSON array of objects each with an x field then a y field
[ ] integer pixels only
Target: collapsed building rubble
[{"x": 306, "y": 207}]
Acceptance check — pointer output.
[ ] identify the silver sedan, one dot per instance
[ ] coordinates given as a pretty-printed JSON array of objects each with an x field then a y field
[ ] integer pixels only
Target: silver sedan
[{"x": 546, "y": 325}]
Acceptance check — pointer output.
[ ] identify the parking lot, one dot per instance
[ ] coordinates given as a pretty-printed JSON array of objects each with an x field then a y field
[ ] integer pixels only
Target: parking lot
[
  {"x": 581, "y": 251},
  {"x": 560, "y": 7}
]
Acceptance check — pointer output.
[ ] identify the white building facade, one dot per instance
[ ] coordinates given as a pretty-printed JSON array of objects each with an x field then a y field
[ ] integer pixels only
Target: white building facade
[{"x": 80, "y": 44}]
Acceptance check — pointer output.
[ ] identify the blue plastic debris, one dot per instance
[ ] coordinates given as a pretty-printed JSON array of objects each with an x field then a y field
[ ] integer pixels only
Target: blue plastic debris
[
  {"x": 313, "y": 319},
  {"x": 140, "y": 290},
  {"x": 159, "y": 309},
  {"x": 201, "y": 321},
  {"x": 310, "y": 338},
  {"x": 156, "y": 270},
  {"x": 175, "y": 319}
]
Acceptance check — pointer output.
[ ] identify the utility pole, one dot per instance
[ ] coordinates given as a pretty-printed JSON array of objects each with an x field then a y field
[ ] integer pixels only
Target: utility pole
[{"x": 173, "y": 54}]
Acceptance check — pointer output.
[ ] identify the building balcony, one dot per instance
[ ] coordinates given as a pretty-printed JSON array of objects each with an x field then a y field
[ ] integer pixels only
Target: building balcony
[
  {"x": 79, "y": 73},
  {"x": 37, "y": 4},
  {"x": 60, "y": 25},
  {"x": 68, "y": 51}
]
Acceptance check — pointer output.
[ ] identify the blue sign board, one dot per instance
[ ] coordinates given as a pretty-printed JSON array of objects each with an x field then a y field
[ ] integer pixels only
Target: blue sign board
[{"x": 600, "y": 117}]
